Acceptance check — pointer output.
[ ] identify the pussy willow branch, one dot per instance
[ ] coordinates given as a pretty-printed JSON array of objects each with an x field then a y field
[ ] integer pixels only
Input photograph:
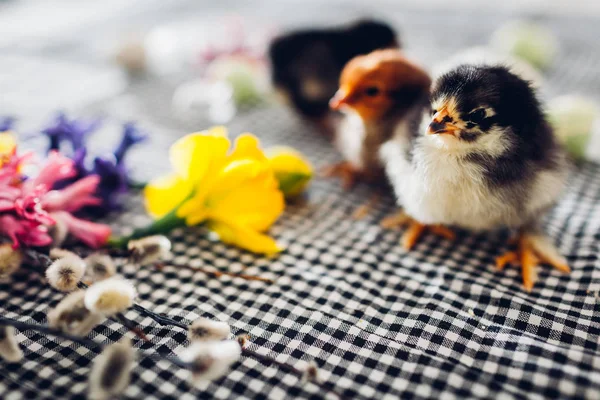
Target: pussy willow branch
[
  {"x": 217, "y": 274},
  {"x": 166, "y": 321},
  {"x": 163, "y": 320},
  {"x": 120, "y": 253},
  {"x": 43, "y": 261},
  {"x": 289, "y": 368},
  {"x": 24, "y": 326}
]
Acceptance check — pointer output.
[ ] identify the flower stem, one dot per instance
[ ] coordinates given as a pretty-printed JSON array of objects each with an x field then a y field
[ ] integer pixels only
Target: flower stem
[
  {"x": 136, "y": 185},
  {"x": 159, "y": 226}
]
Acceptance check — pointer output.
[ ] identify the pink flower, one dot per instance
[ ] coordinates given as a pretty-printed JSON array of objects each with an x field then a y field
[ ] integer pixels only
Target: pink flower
[
  {"x": 93, "y": 234},
  {"x": 29, "y": 206},
  {"x": 73, "y": 197},
  {"x": 24, "y": 232},
  {"x": 8, "y": 195},
  {"x": 57, "y": 168},
  {"x": 10, "y": 171}
]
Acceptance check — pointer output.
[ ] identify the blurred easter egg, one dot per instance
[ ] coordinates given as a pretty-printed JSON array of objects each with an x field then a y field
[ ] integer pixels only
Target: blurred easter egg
[
  {"x": 247, "y": 77},
  {"x": 573, "y": 119},
  {"x": 528, "y": 41}
]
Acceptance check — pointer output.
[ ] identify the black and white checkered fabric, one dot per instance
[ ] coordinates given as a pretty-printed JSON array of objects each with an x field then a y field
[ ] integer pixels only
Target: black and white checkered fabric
[{"x": 438, "y": 322}]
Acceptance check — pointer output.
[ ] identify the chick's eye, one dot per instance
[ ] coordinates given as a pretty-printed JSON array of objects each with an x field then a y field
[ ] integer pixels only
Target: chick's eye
[
  {"x": 372, "y": 91},
  {"x": 433, "y": 111},
  {"x": 476, "y": 116}
]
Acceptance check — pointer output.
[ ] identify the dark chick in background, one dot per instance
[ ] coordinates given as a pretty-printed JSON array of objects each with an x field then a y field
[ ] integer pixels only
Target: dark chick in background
[
  {"x": 377, "y": 92},
  {"x": 484, "y": 158},
  {"x": 306, "y": 65}
]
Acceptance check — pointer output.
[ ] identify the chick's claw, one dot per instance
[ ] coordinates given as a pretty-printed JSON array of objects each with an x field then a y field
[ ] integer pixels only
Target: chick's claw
[
  {"x": 547, "y": 253},
  {"x": 416, "y": 229},
  {"x": 441, "y": 230},
  {"x": 529, "y": 262},
  {"x": 348, "y": 174},
  {"x": 533, "y": 249},
  {"x": 412, "y": 235},
  {"x": 397, "y": 220},
  {"x": 507, "y": 258},
  {"x": 364, "y": 209}
]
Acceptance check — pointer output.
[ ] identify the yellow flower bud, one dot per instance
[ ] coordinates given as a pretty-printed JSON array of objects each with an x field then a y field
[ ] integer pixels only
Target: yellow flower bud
[{"x": 291, "y": 169}]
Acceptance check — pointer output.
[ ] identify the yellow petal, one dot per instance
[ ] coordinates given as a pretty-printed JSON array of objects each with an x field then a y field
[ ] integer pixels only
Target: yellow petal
[
  {"x": 245, "y": 190},
  {"x": 259, "y": 209},
  {"x": 218, "y": 130},
  {"x": 217, "y": 185},
  {"x": 8, "y": 143},
  {"x": 237, "y": 173},
  {"x": 247, "y": 146},
  {"x": 244, "y": 237},
  {"x": 195, "y": 155},
  {"x": 248, "y": 192},
  {"x": 162, "y": 195},
  {"x": 194, "y": 210}
]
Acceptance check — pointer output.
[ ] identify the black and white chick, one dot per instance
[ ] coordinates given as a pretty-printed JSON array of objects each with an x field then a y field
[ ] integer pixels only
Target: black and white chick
[{"x": 484, "y": 157}]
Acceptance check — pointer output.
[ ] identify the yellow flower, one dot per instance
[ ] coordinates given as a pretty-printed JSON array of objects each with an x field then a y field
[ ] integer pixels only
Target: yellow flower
[
  {"x": 291, "y": 169},
  {"x": 8, "y": 144},
  {"x": 235, "y": 194}
]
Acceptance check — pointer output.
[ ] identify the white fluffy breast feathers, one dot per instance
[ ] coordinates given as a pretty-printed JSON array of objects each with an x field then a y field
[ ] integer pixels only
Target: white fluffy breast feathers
[
  {"x": 349, "y": 138},
  {"x": 439, "y": 187}
]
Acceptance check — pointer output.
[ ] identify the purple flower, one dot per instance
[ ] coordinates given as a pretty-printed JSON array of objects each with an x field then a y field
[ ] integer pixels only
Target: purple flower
[
  {"x": 6, "y": 123},
  {"x": 113, "y": 181},
  {"x": 110, "y": 168},
  {"x": 79, "y": 161},
  {"x": 74, "y": 131},
  {"x": 132, "y": 135}
]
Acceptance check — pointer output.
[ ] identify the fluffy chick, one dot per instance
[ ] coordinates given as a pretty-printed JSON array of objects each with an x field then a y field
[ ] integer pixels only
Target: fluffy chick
[
  {"x": 306, "y": 64},
  {"x": 483, "y": 158},
  {"x": 378, "y": 91}
]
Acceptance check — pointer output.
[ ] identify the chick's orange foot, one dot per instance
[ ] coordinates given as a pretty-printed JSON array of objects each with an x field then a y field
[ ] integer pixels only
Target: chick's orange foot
[
  {"x": 532, "y": 250},
  {"x": 415, "y": 229},
  {"x": 348, "y": 173},
  {"x": 364, "y": 209},
  {"x": 395, "y": 221}
]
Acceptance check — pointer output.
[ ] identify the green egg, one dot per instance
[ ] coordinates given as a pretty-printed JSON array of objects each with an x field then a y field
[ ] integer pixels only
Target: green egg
[
  {"x": 528, "y": 41},
  {"x": 573, "y": 118}
]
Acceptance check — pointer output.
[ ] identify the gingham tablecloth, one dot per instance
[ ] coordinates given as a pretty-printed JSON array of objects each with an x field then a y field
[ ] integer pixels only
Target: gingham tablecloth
[{"x": 437, "y": 322}]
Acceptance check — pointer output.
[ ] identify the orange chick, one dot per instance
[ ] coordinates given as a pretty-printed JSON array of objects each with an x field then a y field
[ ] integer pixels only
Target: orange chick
[{"x": 377, "y": 92}]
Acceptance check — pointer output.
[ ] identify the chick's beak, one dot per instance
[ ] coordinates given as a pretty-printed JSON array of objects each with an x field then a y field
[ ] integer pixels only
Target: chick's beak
[
  {"x": 340, "y": 98},
  {"x": 441, "y": 123}
]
